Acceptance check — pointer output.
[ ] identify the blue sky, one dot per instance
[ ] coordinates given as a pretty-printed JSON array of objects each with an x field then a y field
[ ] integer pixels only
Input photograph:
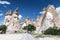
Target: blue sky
[{"x": 31, "y": 8}]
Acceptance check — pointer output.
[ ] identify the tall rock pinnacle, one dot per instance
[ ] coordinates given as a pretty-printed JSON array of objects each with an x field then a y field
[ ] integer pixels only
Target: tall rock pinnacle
[
  {"x": 9, "y": 12},
  {"x": 16, "y": 11},
  {"x": 51, "y": 9}
]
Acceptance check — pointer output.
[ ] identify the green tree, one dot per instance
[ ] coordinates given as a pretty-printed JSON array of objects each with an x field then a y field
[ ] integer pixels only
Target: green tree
[
  {"x": 30, "y": 28},
  {"x": 3, "y": 28},
  {"x": 49, "y": 31},
  {"x": 52, "y": 31}
]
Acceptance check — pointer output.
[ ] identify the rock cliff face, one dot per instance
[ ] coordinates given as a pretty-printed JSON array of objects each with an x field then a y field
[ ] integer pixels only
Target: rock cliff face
[
  {"x": 13, "y": 22},
  {"x": 7, "y": 17},
  {"x": 50, "y": 18}
]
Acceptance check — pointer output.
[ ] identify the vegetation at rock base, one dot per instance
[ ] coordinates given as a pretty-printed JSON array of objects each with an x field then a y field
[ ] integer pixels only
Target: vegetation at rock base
[
  {"x": 52, "y": 31},
  {"x": 3, "y": 29},
  {"x": 30, "y": 28}
]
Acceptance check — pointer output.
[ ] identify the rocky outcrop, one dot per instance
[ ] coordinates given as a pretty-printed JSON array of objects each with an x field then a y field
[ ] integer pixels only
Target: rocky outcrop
[
  {"x": 13, "y": 22},
  {"x": 7, "y": 17},
  {"x": 49, "y": 18}
]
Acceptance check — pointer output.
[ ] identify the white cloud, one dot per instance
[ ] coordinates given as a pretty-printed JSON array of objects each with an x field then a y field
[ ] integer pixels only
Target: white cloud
[
  {"x": 40, "y": 12},
  {"x": 4, "y": 2},
  {"x": 20, "y": 16},
  {"x": 58, "y": 9},
  {"x": 1, "y": 14}
]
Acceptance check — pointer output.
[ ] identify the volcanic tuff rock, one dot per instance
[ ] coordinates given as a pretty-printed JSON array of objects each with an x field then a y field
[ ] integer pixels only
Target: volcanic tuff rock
[{"x": 49, "y": 18}]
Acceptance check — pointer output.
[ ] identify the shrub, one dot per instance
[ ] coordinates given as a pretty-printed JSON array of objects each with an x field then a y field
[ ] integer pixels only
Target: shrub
[
  {"x": 29, "y": 28},
  {"x": 52, "y": 31},
  {"x": 3, "y": 28}
]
